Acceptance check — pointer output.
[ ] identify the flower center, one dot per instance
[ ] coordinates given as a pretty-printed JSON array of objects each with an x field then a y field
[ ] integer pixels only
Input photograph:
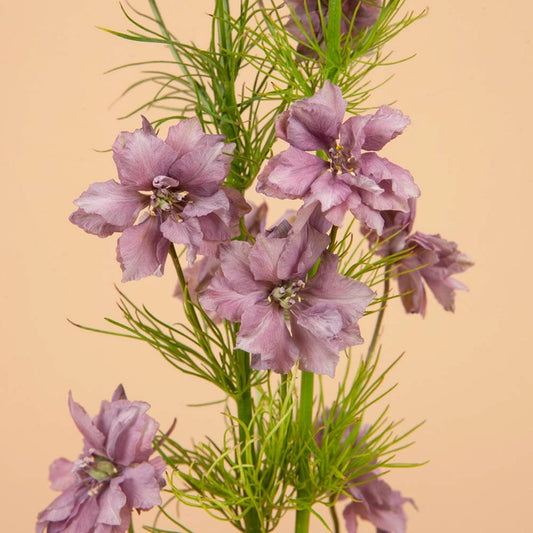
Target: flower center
[
  {"x": 97, "y": 467},
  {"x": 286, "y": 294},
  {"x": 167, "y": 198},
  {"x": 341, "y": 161}
]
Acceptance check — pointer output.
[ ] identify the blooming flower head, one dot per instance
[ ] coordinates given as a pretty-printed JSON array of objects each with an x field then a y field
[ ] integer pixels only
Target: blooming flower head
[
  {"x": 309, "y": 14},
  {"x": 168, "y": 191},
  {"x": 350, "y": 176},
  {"x": 285, "y": 315},
  {"x": 113, "y": 475}
]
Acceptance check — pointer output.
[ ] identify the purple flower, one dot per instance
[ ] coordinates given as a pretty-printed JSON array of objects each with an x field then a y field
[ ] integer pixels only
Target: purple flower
[
  {"x": 307, "y": 25},
  {"x": 434, "y": 261},
  {"x": 284, "y": 314},
  {"x": 375, "y": 501},
  {"x": 372, "y": 498},
  {"x": 169, "y": 191},
  {"x": 113, "y": 475},
  {"x": 346, "y": 179}
]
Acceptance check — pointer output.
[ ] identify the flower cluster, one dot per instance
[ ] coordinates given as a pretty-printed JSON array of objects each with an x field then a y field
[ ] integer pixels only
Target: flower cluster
[{"x": 113, "y": 475}]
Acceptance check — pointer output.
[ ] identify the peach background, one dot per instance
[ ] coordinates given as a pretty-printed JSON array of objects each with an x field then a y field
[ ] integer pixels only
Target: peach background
[{"x": 469, "y": 375}]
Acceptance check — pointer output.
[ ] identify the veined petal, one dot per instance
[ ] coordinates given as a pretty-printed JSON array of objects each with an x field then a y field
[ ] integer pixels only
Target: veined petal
[
  {"x": 140, "y": 485},
  {"x": 386, "y": 124},
  {"x": 300, "y": 252},
  {"x": 94, "y": 438},
  {"x": 111, "y": 502},
  {"x": 264, "y": 334},
  {"x": 317, "y": 354},
  {"x": 140, "y": 157},
  {"x": 186, "y": 135},
  {"x": 290, "y": 174},
  {"x": 118, "y": 205},
  {"x": 187, "y": 232},
  {"x": 93, "y": 224},
  {"x": 264, "y": 257},
  {"x": 203, "y": 170},
  {"x": 314, "y": 123},
  {"x": 332, "y": 195},
  {"x": 142, "y": 250}
]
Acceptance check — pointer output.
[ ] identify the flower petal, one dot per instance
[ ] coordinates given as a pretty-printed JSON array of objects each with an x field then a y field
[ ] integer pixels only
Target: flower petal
[
  {"x": 140, "y": 157},
  {"x": 142, "y": 250},
  {"x": 118, "y": 205},
  {"x": 290, "y": 174},
  {"x": 264, "y": 334}
]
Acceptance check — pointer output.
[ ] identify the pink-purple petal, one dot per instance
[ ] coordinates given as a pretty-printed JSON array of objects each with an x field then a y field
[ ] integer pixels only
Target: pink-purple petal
[
  {"x": 290, "y": 174},
  {"x": 140, "y": 157},
  {"x": 386, "y": 124},
  {"x": 142, "y": 250},
  {"x": 264, "y": 334},
  {"x": 118, "y": 205}
]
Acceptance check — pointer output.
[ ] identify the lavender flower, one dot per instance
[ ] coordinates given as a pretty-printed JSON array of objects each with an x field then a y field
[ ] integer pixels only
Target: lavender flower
[
  {"x": 433, "y": 261},
  {"x": 112, "y": 476},
  {"x": 169, "y": 191},
  {"x": 286, "y": 316},
  {"x": 308, "y": 15},
  {"x": 348, "y": 179},
  {"x": 372, "y": 498},
  {"x": 375, "y": 501}
]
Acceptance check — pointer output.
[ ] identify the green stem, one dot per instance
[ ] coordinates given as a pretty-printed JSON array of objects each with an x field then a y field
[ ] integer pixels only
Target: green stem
[
  {"x": 381, "y": 313},
  {"x": 334, "y": 517},
  {"x": 245, "y": 414},
  {"x": 305, "y": 425},
  {"x": 333, "y": 39}
]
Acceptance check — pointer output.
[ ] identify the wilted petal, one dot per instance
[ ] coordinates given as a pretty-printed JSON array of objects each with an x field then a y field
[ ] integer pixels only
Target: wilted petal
[{"x": 142, "y": 250}]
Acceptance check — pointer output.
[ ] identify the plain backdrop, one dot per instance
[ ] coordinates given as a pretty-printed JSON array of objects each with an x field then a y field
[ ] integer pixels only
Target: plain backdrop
[{"x": 468, "y": 374}]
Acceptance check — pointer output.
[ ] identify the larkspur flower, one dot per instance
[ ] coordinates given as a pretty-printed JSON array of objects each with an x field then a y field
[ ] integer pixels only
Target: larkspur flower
[
  {"x": 308, "y": 15},
  {"x": 432, "y": 262},
  {"x": 169, "y": 191},
  {"x": 113, "y": 475},
  {"x": 286, "y": 316},
  {"x": 346, "y": 179},
  {"x": 375, "y": 501}
]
